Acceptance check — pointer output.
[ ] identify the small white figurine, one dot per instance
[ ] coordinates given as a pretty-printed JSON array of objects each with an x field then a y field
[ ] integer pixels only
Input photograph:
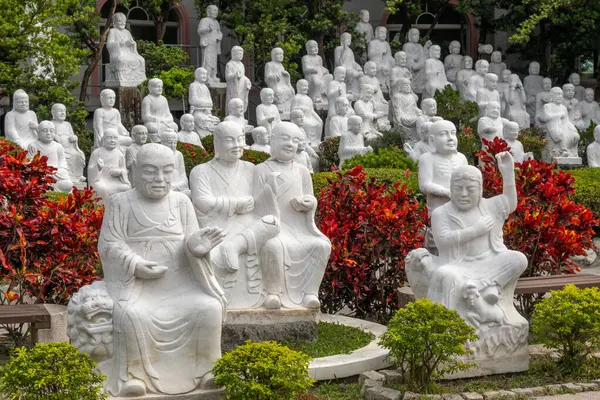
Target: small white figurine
[
  {"x": 65, "y": 136},
  {"x": 575, "y": 80},
  {"x": 267, "y": 114},
  {"x": 127, "y": 68},
  {"x": 352, "y": 141},
  {"x": 496, "y": 64},
  {"x": 179, "y": 179},
  {"x": 511, "y": 133},
  {"x": 261, "y": 140},
  {"x": 211, "y": 36},
  {"x": 463, "y": 76},
  {"x": 533, "y": 84},
  {"x": 338, "y": 124},
  {"x": 561, "y": 135},
  {"x": 139, "y": 134},
  {"x": 235, "y": 110},
  {"x": 315, "y": 73},
  {"x": 344, "y": 57},
  {"x": 516, "y": 110},
  {"x": 238, "y": 85},
  {"x": 201, "y": 104},
  {"x": 453, "y": 61},
  {"x": 156, "y": 114},
  {"x": 416, "y": 59},
  {"x": 491, "y": 125},
  {"x": 278, "y": 79},
  {"x": 488, "y": 93},
  {"x": 541, "y": 99},
  {"x": 435, "y": 75},
  {"x": 46, "y": 146},
  {"x": 593, "y": 150},
  {"x": 381, "y": 54},
  {"x": 476, "y": 81},
  {"x": 336, "y": 89},
  {"x": 590, "y": 110},
  {"x": 429, "y": 109},
  {"x": 364, "y": 27},
  {"x": 313, "y": 124},
  {"x": 365, "y": 108},
  {"x": 405, "y": 112},
  {"x": 21, "y": 124},
  {"x": 503, "y": 89},
  {"x": 187, "y": 133},
  {"x": 108, "y": 117}
]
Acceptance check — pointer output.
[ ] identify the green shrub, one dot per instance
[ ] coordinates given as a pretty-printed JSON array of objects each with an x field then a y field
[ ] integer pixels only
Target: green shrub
[
  {"x": 51, "y": 371},
  {"x": 424, "y": 340},
  {"x": 328, "y": 154},
  {"x": 450, "y": 106},
  {"x": 569, "y": 322},
  {"x": 391, "y": 138},
  {"x": 533, "y": 141},
  {"x": 160, "y": 57},
  {"x": 263, "y": 371},
  {"x": 392, "y": 158},
  {"x": 468, "y": 143},
  {"x": 586, "y": 136},
  {"x": 587, "y": 188}
]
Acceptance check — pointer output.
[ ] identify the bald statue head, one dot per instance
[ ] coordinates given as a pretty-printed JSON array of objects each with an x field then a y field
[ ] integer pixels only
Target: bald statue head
[
  {"x": 168, "y": 137},
  {"x": 20, "y": 101},
  {"x": 466, "y": 187},
  {"x": 284, "y": 144},
  {"x": 442, "y": 137},
  {"x": 229, "y": 141},
  {"x": 153, "y": 170},
  {"x": 46, "y": 131}
]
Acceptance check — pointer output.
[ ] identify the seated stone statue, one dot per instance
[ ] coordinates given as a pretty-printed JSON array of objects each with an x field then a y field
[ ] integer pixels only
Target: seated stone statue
[
  {"x": 222, "y": 194},
  {"x": 575, "y": 80},
  {"x": 453, "y": 61},
  {"x": 488, "y": 93},
  {"x": 370, "y": 78},
  {"x": 338, "y": 124},
  {"x": 267, "y": 114},
  {"x": 365, "y": 108},
  {"x": 46, "y": 146},
  {"x": 300, "y": 251},
  {"x": 476, "y": 81},
  {"x": 156, "y": 113},
  {"x": 168, "y": 308},
  {"x": 475, "y": 274},
  {"x": 435, "y": 74},
  {"x": 344, "y": 57},
  {"x": 201, "y": 104},
  {"x": 127, "y": 68},
  {"x": 235, "y": 113},
  {"x": 463, "y": 76},
  {"x": 352, "y": 141},
  {"x": 380, "y": 53},
  {"x": 496, "y": 63},
  {"x": 108, "y": 117},
  {"x": 278, "y": 79},
  {"x": 187, "y": 133},
  {"x": 65, "y": 136},
  {"x": 140, "y": 137},
  {"x": 399, "y": 71},
  {"x": 261, "y": 140},
  {"x": 315, "y": 73},
  {"x": 593, "y": 150},
  {"x": 335, "y": 89},
  {"x": 21, "y": 123},
  {"x": 313, "y": 124},
  {"x": 561, "y": 135},
  {"x": 297, "y": 118},
  {"x": 590, "y": 109},
  {"x": 179, "y": 180},
  {"x": 511, "y": 133},
  {"x": 491, "y": 125},
  {"x": 405, "y": 111},
  {"x": 107, "y": 171}
]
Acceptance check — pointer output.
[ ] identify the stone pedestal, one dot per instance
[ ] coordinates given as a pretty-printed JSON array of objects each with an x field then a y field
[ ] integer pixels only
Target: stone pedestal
[
  {"x": 567, "y": 162},
  {"x": 129, "y": 103},
  {"x": 218, "y": 91},
  {"x": 213, "y": 394},
  {"x": 517, "y": 361},
  {"x": 58, "y": 325},
  {"x": 260, "y": 325}
]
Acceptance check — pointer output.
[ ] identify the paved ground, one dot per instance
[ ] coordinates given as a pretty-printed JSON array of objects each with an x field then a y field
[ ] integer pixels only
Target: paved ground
[{"x": 576, "y": 396}]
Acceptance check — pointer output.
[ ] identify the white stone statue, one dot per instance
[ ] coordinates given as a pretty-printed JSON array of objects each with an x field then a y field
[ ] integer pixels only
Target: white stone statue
[
  {"x": 429, "y": 111},
  {"x": 313, "y": 124},
  {"x": 108, "y": 117},
  {"x": 344, "y": 57},
  {"x": 416, "y": 59},
  {"x": 422, "y": 145},
  {"x": 516, "y": 109},
  {"x": 364, "y": 28},
  {"x": 575, "y": 80},
  {"x": 405, "y": 112},
  {"x": 476, "y": 81},
  {"x": 491, "y": 125},
  {"x": 65, "y": 136},
  {"x": 572, "y": 105},
  {"x": 139, "y": 134},
  {"x": 311, "y": 156},
  {"x": 211, "y": 36},
  {"x": 201, "y": 104},
  {"x": 488, "y": 93},
  {"x": 278, "y": 79},
  {"x": 380, "y": 53},
  {"x": 593, "y": 150},
  {"x": 179, "y": 180},
  {"x": 21, "y": 124},
  {"x": 223, "y": 195},
  {"x": 267, "y": 114},
  {"x": 496, "y": 64},
  {"x": 46, "y": 146},
  {"x": 511, "y": 133},
  {"x": 107, "y": 170},
  {"x": 315, "y": 73},
  {"x": 533, "y": 84},
  {"x": 561, "y": 135},
  {"x": 453, "y": 61},
  {"x": 156, "y": 113},
  {"x": 463, "y": 76},
  {"x": 300, "y": 252},
  {"x": 541, "y": 99},
  {"x": 436, "y": 167},
  {"x": 338, "y": 124},
  {"x": 302, "y": 157},
  {"x": 238, "y": 84},
  {"x": 335, "y": 89},
  {"x": 503, "y": 88},
  {"x": 370, "y": 78},
  {"x": 261, "y": 140},
  {"x": 435, "y": 74},
  {"x": 475, "y": 274},
  {"x": 168, "y": 308},
  {"x": 590, "y": 110},
  {"x": 235, "y": 113},
  {"x": 366, "y": 109},
  {"x": 187, "y": 133},
  {"x": 398, "y": 71},
  {"x": 352, "y": 141},
  {"x": 126, "y": 68}
]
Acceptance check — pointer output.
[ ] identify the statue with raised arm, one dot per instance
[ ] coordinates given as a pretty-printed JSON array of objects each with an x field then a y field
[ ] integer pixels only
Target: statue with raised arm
[
  {"x": 238, "y": 84},
  {"x": 278, "y": 79},
  {"x": 20, "y": 124},
  {"x": 46, "y": 146},
  {"x": 127, "y": 68},
  {"x": 315, "y": 73},
  {"x": 65, "y": 136},
  {"x": 156, "y": 113},
  {"x": 108, "y": 117},
  {"x": 210, "y": 34}
]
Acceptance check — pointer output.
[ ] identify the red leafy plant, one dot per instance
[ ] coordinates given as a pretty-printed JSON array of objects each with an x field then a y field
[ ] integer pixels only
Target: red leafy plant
[
  {"x": 547, "y": 226},
  {"x": 48, "y": 249},
  {"x": 372, "y": 227}
]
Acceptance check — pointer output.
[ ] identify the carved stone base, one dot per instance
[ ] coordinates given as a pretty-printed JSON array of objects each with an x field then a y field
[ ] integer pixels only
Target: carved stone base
[
  {"x": 213, "y": 394},
  {"x": 260, "y": 325},
  {"x": 517, "y": 361}
]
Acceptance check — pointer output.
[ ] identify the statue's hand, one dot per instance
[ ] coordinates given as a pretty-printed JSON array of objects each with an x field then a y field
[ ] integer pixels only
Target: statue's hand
[
  {"x": 73, "y": 139},
  {"x": 244, "y": 205},
  {"x": 483, "y": 225},
  {"x": 506, "y": 162},
  {"x": 149, "y": 270},
  {"x": 408, "y": 148},
  {"x": 203, "y": 241},
  {"x": 115, "y": 173},
  {"x": 33, "y": 125},
  {"x": 100, "y": 163},
  {"x": 303, "y": 203}
]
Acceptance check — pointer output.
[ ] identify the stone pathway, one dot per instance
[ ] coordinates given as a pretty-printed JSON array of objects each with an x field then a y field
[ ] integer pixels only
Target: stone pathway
[{"x": 576, "y": 396}]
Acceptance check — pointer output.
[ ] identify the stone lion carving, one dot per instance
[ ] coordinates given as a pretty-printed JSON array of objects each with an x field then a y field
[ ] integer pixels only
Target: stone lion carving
[{"x": 90, "y": 321}]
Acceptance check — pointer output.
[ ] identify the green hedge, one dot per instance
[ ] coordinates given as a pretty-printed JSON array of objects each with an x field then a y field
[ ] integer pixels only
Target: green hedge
[
  {"x": 587, "y": 188},
  {"x": 389, "y": 157}
]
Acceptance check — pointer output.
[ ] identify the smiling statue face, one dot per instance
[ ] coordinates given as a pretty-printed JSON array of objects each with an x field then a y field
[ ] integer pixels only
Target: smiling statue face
[
  {"x": 286, "y": 138},
  {"x": 154, "y": 168},
  {"x": 59, "y": 112},
  {"x": 492, "y": 110},
  {"x": 401, "y": 59},
  {"x": 187, "y": 123},
  {"x": 139, "y": 134},
  {"x": 482, "y": 67},
  {"x": 339, "y": 74},
  {"x": 110, "y": 139},
  {"x": 589, "y": 95},
  {"x": 302, "y": 86},
  {"x": 277, "y": 55},
  {"x": 267, "y": 96},
  {"x": 435, "y": 52},
  {"x": 575, "y": 79},
  {"x": 381, "y": 33},
  {"x": 568, "y": 91},
  {"x": 229, "y": 141},
  {"x": 156, "y": 88},
  {"x": 120, "y": 21},
  {"x": 468, "y": 62},
  {"x": 370, "y": 68},
  {"x": 312, "y": 48}
]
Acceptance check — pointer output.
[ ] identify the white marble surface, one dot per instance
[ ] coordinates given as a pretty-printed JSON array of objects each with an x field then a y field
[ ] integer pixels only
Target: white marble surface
[
  {"x": 21, "y": 123},
  {"x": 561, "y": 135},
  {"x": 593, "y": 150},
  {"x": 46, "y": 146},
  {"x": 453, "y": 62},
  {"x": 201, "y": 104},
  {"x": 534, "y": 84},
  {"x": 156, "y": 113},
  {"x": 238, "y": 84},
  {"x": 315, "y": 74},
  {"x": 65, "y": 136},
  {"x": 108, "y": 117},
  {"x": 209, "y": 31},
  {"x": 126, "y": 68},
  {"x": 352, "y": 141},
  {"x": 344, "y": 57},
  {"x": 278, "y": 79}
]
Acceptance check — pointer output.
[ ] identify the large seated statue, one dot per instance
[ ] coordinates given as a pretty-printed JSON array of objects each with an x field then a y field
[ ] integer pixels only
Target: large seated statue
[
  {"x": 475, "y": 274},
  {"x": 20, "y": 124},
  {"x": 168, "y": 308},
  {"x": 46, "y": 146},
  {"x": 127, "y": 68},
  {"x": 561, "y": 135},
  {"x": 156, "y": 113}
]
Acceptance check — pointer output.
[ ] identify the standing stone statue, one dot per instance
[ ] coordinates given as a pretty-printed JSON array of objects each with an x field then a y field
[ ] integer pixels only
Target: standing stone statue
[
  {"x": 210, "y": 34},
  {"x": 139, "y": 134},
  {"x": 453, "y": 61},
  {"x": 364, "y": 28},
  {"x": 541, "y": 99},
  {"x": 65, "y": 136},
  {"x": 267, "y": 114},
  {"x": 593, "y": 150},
  {"x": 503, "y": 89},
  {"x": 127, "y": 68},
  {"x": 46, "y": 146},
  {"x": 344, "y": 57},
  {"x": 496, "y": 64},
  {"x": 533, "y": 84},
  {"x": 405, "y": 112},
  {"x": 380, "y": 53},
  {"x": 511, "y": 133},
  {"x": 416, "y": 59},
  {"x": 335, "y": 90},
  {"x": 261, "y": 140},
  {"x": 475, "y": 274},
  {"x": 575, "y": 80},
  {"x": 516, "y": 110},
  {"x": 338, "y": 124},
  {"x": 168, "y": 308},
  {"x": 187, "y": 133},
  {"x": 179, "y": 181},
  {"x": 108, "y": 117},
  {"x": 238, "y": 84},
  {"x": 313, "y": 124},
  {"x": 491, "y": 125},
  {"x": 488, "y": 93},
  {"x": 463, "y": 76},
  {"x": 477, "y": 81},
  {"x": 571, "y": 103},
  {"x": 278, "y": 79},
  {"x": 435, "y": 75},
  {"x": 590, "y": 110},
  {"x": 561, "y": 135},
  {"x": 156, "y": 114},
  {"x": 21, "y": 124},
  {"x": 398, "y": 71},
  {"x": 366, "y": 109},
  {"x": 315, "y": 73},
  {"x": 201, "y": 103},
  {"x": 352, "y": 141}
]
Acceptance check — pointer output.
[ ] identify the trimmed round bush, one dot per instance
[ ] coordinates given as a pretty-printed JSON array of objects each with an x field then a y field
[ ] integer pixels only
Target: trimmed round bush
[{"x": 389, "y": 157}]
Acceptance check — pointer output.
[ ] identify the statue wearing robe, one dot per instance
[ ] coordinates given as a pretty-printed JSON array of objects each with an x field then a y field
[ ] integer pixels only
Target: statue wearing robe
[
  {"x": 56, "y": 158},
  {"x": 109, "y": 118},
  {"x": 533, "y": 84},
  {"x": 344, "y": 56},
  {"x": 127, "y": 68},
  {"x": 156, "y": 115},
  {"x": 238, "y": 84},
  {"x": 415, "y": 61},
  {"x": 381, "y": 54},
  {"x": 313, "y": 124},
  {"x": 65, "y": 136},
  {"x": 317, "y": 76},
  {"x": 210, "y": 34},
  {"x": 405, "y": 114},
  {"x": 267, "y": 115},
  {"x": 112, "y": 177},
  {"x": 590, "y": 111},
  {"x": 352, "y": 144},
  {"x": 278, "y": 79},
  {"x": 435, "y": 77},
  {"x": 561, "y": 135},
  {"x": 18, "y": 127}
]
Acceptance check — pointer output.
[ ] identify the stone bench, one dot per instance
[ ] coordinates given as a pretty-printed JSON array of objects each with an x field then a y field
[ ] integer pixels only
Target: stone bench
[{"x": 48, "y": 322}]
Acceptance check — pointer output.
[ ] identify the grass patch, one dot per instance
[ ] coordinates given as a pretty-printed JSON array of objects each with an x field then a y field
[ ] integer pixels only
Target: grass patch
[
  {"x": 333, "y": 339},
  {"x": 337, "y": 391}
]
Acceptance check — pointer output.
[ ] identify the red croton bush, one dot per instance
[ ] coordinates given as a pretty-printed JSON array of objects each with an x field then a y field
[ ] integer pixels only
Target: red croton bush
[
  {"x": 48, "y": 249},
  {"x": 372, "y": 227}
]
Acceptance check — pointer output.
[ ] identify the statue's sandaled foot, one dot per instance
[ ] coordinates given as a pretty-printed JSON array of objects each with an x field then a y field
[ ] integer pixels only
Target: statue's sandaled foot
[
  {"x": 311, "y": 301},
  {"x": 208, "y": 382},
  {"x": 272, "y": 302},
  {"x": 228, "y": 257},
  {"x": 133, "y": 388}
]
